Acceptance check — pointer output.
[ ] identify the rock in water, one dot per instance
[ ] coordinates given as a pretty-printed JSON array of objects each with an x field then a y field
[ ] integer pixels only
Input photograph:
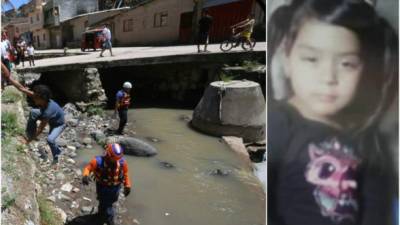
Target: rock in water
[
  {"x": 99, "y": 136},
  {"x": 166, "y": 165},
  {"x": 136, "y": 147},
  {"x": 220, "y": 172}
]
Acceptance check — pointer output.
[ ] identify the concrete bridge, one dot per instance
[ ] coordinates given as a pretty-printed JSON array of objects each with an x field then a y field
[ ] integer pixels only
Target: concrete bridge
[{"x": 140, "y": 56}]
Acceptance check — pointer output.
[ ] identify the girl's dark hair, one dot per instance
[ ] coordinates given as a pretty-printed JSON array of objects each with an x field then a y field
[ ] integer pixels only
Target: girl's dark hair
[
  {"x": 278, "y": 26},
  {"x": 42, "y": 91},
  {"x": 379, "y": 54}
]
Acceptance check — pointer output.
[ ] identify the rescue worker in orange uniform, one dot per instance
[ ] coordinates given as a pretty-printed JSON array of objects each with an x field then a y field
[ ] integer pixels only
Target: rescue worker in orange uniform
[
  {"x": 110, "y": 171},
  {"x": 123, "y": 100}
]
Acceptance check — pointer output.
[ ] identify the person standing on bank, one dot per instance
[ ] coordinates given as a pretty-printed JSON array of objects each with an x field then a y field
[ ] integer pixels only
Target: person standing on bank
[
  {"x": 204, "y": 27},
  {"x": 107, "y": 40},
  {"x": 123, "y": 100}
]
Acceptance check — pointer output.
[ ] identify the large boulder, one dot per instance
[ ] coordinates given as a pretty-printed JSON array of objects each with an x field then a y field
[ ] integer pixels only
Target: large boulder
[
  {"x": 136, "y": 147},
  {"x": 234, "y": 108}
]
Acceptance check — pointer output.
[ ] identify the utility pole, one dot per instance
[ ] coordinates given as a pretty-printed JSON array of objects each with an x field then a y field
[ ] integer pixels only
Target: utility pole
[{"x": 198, "y": 7}]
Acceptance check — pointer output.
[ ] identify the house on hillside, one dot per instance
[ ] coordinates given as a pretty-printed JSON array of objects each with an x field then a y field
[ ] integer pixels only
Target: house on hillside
[
  {"x": 73, "y": 28},
  {"x": 40, "y": 36},
  {"x": 18, "y": 28},
  {"x": 57, "y": 11}
]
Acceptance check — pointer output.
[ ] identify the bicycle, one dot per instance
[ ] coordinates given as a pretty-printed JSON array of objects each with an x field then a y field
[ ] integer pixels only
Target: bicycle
[{"x": 236, "y": 40}]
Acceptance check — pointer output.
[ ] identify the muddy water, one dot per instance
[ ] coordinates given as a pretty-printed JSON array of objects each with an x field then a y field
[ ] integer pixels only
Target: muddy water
[{"x": 187, "y": 193}]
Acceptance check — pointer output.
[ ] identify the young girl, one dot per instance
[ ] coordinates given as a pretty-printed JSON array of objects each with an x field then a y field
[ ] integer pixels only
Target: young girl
[{"x": 326, "y": 164}]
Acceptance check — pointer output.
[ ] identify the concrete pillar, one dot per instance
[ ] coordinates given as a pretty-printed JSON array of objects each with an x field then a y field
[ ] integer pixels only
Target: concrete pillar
[{"x": 234, "y": 108}]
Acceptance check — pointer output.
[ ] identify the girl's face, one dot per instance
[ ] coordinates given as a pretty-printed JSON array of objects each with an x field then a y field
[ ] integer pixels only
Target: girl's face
[{"x": 324, "y": 68}]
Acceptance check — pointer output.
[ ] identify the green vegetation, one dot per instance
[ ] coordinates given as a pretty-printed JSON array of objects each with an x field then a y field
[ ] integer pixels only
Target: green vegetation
[
  {"x": 10, "y": 96},
  {"x": 250, "y": 65},
  {"x": 225, "y": 77},
  {"x": 6, "y": 201},
  {"x": 9, "y": 125},
  {"x": 95, "y": 110},
  {"x": 48, "y": 215}
]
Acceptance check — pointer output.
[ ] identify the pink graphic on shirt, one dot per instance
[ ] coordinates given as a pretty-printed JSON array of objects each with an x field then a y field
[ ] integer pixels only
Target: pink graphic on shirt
[{"x": 332, "y": 169}]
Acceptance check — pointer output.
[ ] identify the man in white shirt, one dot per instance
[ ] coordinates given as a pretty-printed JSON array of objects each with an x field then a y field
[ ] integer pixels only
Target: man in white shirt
[{"x": 106, "y": 40}]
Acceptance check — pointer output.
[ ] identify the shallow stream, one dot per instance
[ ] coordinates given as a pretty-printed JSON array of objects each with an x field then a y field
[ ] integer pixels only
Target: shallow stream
[{"x": 187, "y": 193}]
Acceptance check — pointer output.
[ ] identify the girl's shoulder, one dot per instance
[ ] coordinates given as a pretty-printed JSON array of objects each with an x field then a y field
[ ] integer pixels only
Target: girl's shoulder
[{"x": 281, "y": 114}]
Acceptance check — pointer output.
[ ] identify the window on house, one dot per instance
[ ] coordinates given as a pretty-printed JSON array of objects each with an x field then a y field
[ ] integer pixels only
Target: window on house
[
  {"x": 17, "y": 29},
  {"x": 128, "y": 25},
  {"x": 161, "y": 19},
  {"x": 55, "y": 11},
  {"x": 37, "y": 17},
  {"x": 31, "y": 19},
  {"x": 44, "y": 37}
]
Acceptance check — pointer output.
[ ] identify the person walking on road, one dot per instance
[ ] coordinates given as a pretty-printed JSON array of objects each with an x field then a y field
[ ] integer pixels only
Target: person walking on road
[
  {"x": 204, "y": 27},
  {"x": 123, "y": 100},
  {"x": 110, "y": 172},
  {"x": 107, "y": 40}
]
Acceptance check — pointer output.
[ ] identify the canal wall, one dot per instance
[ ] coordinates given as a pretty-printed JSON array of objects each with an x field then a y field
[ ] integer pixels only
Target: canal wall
[{"x": 165, "y": 85}]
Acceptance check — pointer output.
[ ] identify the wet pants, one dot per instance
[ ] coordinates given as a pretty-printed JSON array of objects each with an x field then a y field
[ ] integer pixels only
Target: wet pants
[
  {"x": 107, "y": 196},
  {"x": 123, "y": 119}
]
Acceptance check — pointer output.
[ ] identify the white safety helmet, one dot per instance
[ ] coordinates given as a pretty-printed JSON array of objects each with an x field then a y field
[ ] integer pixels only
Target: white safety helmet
[{"x": 127, "y": 85}]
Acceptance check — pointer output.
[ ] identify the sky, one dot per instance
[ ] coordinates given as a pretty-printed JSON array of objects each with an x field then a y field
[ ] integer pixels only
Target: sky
[{"x": 17, "y": 3}]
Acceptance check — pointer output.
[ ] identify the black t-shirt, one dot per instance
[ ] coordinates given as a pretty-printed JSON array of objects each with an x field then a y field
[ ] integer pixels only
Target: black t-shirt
[
  {"x": 316, "y": 175},
  {"x": 205, "y": 24}
]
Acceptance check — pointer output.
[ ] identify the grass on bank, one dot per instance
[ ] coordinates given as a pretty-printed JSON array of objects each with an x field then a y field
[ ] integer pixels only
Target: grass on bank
[
  {"x": 6, "y": 201},
  {"x": 95, "y": 110},
  {"x": 10, "y": 97},
  {"x": 48, "y": 215},
  {"x": 9, "y": 125}
]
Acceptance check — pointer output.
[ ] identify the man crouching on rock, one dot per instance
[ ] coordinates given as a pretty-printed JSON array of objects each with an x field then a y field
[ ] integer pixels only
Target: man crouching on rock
[
  {"x": 110, "y": 171},
  {"x": 48, "y": 112}
]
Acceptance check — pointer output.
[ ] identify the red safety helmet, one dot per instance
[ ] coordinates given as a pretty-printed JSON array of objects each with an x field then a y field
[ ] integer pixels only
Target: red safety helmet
[{"x": 114, "y": 151}]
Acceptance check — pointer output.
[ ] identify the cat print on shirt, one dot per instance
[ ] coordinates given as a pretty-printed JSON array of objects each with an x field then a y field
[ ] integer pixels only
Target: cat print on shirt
[{"x": 331, "y": 170}]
